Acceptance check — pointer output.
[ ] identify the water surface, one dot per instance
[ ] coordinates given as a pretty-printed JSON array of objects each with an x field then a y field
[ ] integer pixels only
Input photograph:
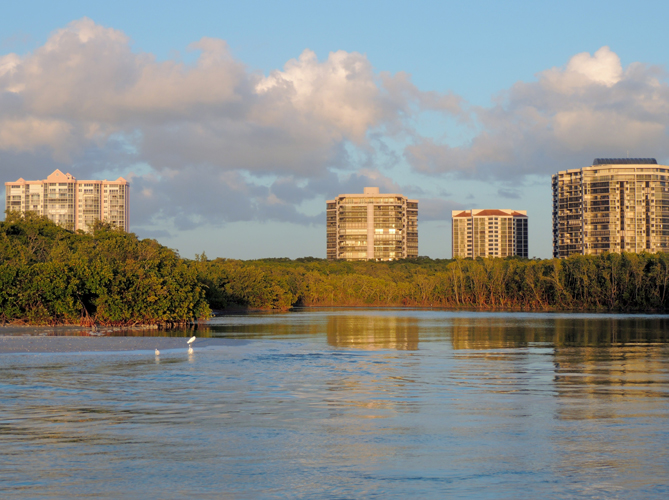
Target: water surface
[{"x": 349, "y": 404}]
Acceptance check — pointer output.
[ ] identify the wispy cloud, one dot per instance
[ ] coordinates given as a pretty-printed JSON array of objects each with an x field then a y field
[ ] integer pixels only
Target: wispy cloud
[
  {"x": 591, "y": 107},
  {"x": 513, "y": 194}
]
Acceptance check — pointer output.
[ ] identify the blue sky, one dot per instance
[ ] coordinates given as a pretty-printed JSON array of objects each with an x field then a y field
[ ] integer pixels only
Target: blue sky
[{"x": 232, "y": 144}]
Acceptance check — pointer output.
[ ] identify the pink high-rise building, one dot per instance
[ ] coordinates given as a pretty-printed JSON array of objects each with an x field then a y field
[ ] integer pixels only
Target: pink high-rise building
[{"x": 71, "y": 203}]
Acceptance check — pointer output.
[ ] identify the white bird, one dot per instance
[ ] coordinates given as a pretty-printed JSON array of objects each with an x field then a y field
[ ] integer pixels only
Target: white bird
[
  {"x": 157, "y": 352},
  {"x": 190, "y": 342}
]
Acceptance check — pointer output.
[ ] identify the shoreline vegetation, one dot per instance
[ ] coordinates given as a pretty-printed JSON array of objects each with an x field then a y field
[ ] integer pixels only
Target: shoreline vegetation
[
  {"x": 110, "y": 278},
  {"x": 52, "y": 276}
]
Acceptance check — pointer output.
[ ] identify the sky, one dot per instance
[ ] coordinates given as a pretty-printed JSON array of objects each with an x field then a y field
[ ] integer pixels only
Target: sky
[{"x": 235, "y": 121}]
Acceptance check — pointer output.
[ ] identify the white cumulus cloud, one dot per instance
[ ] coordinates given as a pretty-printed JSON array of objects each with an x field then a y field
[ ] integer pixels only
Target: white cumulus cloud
[
  {"x": 86, "y": 98},
  {"x": 85, "y": 85},
  {"x": 603, "y": 67},
  {"x": 260, "y": 147}
]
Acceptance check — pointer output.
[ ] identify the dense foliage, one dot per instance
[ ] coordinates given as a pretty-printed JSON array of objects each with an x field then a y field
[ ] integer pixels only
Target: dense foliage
[
  {"x": 628, "y": 282},
  {"x": 110, "y": 277},
  {"x": 51, "y": 275}
]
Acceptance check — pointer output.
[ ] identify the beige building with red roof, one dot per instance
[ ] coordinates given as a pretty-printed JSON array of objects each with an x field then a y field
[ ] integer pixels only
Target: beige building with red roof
[
  {"x": 71, "y": 203},
  {"x": 372, "y": 226},
  {"x": 489, "y": 233}
]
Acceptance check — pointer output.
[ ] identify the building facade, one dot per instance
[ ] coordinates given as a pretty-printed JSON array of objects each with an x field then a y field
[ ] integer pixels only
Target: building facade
[
  {"x": 71, "y": 203},
  {"x": 489, "y": 233},
  {"x": 614, "y": 205},
  {"x": 372, "y": 226}
]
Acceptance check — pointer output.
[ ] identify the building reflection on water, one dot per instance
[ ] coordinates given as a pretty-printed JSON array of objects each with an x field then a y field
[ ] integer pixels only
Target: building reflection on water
[
  {"x": 601, "y": 381},
  {"x": 373, "y": 332},
  {"x": 383, "y": 388},
  {"x": 610, "y": 360},
  {"x": 495, "y": 333},
  {"x": 611, "y": 381},
  {"x": 595, "y": 361},
  {"x": 604, "y": 331}
]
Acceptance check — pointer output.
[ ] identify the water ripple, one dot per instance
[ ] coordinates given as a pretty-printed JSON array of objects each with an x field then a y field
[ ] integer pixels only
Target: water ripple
[{"x": 364, "y": 404}]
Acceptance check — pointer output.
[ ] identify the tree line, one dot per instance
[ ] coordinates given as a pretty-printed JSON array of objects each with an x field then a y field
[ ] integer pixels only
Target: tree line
[
  {"x": 608, "y": 282},
  {"x": 49, "y": 275}
]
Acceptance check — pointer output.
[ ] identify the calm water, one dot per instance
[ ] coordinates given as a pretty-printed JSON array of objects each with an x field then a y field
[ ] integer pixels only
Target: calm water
[{"x": 350, "y": 404}]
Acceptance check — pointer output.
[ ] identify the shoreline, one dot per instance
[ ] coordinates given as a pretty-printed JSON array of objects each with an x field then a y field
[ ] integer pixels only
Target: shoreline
[
  {"x": 68, "y": 329},
  {"x": 26, "y": 344},
  {"x": 61, "y": 329}
]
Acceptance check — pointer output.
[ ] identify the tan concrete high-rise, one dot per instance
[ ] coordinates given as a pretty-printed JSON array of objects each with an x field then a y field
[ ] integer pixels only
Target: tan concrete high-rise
[
  {"x": 71, "y": 203},
  {"x": 372, "y": 226},
  {"x": 489, "y": 233},
  {"x": 614, "y": 205}
]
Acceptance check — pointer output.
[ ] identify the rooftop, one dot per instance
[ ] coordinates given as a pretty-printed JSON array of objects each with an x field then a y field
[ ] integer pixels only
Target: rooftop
[
  {"x": 489, "y": 213},
  {"x": 625, "y": 161}
]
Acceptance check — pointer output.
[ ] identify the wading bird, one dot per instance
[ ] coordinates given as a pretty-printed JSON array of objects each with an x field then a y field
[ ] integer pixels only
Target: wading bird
[
  {"x": 157, "y": 352},
  {"x": 190, "y": 342}
]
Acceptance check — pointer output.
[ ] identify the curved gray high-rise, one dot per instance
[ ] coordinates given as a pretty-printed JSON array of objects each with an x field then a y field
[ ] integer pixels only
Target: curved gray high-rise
[{"x": 614, "y": 205}]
